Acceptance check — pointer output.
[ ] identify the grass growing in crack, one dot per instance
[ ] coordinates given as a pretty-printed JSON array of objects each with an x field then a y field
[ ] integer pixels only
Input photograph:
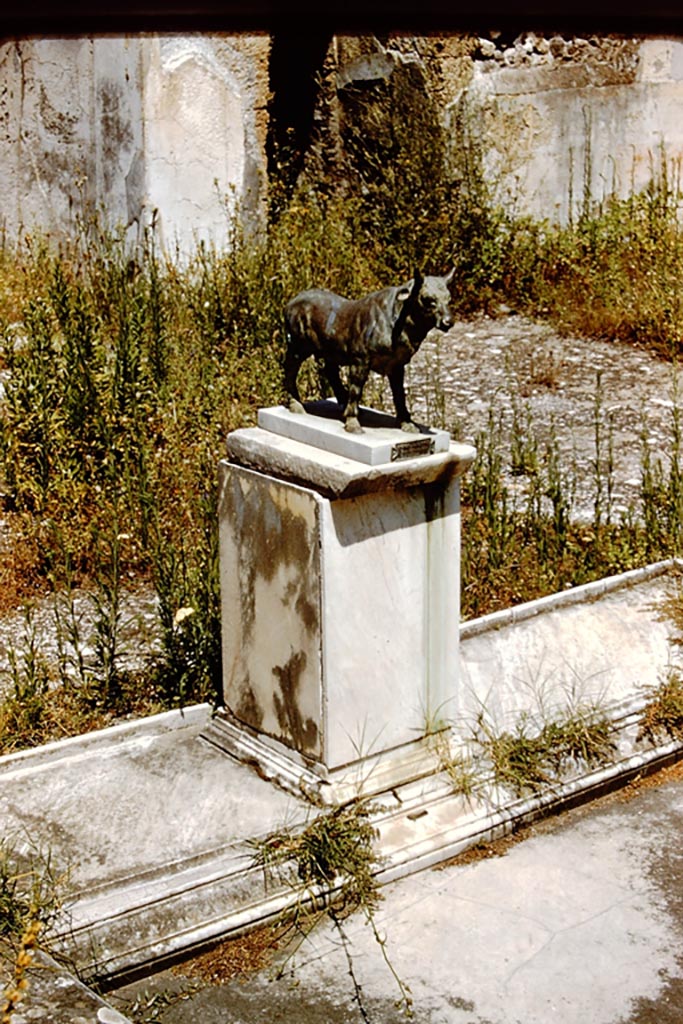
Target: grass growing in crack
[
  {"x": 462, "y": 773},
  {"x": 662, "y": 716},
  {"x": 527, "y": 758},
  {"x": 334, "y": 854}
]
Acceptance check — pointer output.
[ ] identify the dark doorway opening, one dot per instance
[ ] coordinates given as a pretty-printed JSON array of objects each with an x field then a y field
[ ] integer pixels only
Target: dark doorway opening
[{"x": 296, "y": 63}]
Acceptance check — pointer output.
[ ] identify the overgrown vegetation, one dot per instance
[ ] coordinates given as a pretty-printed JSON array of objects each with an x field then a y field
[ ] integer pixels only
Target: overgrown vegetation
[
  {"x": 122, "y": 374},
  {"x": 334, "y": 854},
  {"x": 123, "y": 369},
  {"x": 540, "y": 749},
  {"x": 614, "y": 272},
  {"x": 524, "y": 542},
  {"x": 395, "y": 166}
]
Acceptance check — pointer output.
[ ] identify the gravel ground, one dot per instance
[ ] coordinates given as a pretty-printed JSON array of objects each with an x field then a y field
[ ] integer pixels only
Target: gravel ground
[
  {"x": 138, "y": 635},
  {"x": 487, "y": 362}
]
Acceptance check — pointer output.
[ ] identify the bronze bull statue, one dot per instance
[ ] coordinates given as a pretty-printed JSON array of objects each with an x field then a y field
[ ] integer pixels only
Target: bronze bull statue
[{"x": 381, "y": 332}]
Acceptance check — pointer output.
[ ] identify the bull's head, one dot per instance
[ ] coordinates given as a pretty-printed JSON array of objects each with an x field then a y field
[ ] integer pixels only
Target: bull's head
[
  {"x": 433, "y": 302},
  {"x": 427, "y": 301}
]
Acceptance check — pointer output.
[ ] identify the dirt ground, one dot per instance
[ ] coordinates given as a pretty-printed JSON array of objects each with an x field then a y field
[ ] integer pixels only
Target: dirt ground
[{"x": 560, "y": 384}]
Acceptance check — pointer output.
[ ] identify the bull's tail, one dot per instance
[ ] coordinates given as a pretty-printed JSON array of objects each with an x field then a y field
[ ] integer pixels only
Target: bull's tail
[{"x": 294, "y": 357}]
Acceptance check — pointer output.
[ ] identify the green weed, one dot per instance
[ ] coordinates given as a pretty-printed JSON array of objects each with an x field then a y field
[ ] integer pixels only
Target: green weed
[
  {"x": 529, "y": 757},
  {"x": 615, "y": 272},
  {"x": 461, "y": 770},
  {"x": 526, "y": 542},
  {"x": 23, "y": 711},
  {"x": 662, "y": 716},
  {"x": 336, "y": 849},
  {"x": 30, "y": 888}
]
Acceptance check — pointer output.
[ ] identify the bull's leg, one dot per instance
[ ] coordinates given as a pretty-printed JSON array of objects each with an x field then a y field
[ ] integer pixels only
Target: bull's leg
[
  {"x": 294, "y": 357},
  {"x": 358, "y": 374},
  {"x": 340, "y": 392},
  {"x": 396, "y": 380}
]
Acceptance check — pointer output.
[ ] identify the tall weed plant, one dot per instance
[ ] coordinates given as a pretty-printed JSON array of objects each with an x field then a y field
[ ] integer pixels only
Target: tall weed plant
[{"x": 525, "y": 541}]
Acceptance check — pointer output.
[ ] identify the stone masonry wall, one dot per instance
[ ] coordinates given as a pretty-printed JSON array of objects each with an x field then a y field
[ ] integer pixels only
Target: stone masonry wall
[
  {"x": 134, "y": 125},
  {"x": 559, "y": 116},
  {"x": 551, "y": 114}
]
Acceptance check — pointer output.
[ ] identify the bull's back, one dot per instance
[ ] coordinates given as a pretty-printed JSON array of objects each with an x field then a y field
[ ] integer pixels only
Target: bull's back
[
  {"x": 327, "y": 321},
  {"x": 309, "y": 314}
]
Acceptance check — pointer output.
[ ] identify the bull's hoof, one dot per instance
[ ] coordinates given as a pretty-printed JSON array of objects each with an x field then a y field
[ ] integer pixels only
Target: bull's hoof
[
  {"x": 352, "y": 425},
  {"x": 410, "y": 427},
  {"x": 295, "y": 406}
]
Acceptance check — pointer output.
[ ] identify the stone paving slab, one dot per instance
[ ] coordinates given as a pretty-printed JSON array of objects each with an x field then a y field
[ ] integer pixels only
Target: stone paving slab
[
  {"x": 602, "y": 643},
  {"x": 147, "y": 822},
  {"x": 579, "y": 923},
  {"x": 153, "y": 826}
]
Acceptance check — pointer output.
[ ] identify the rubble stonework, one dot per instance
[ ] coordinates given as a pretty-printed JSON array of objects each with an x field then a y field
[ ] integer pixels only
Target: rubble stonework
[
  {"x": 613, "y": 56},
  {"x": 554, "y": 117}
]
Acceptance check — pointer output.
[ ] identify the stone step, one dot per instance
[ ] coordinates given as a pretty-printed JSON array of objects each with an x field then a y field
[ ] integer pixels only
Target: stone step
[{"x": 139, "y": 923}]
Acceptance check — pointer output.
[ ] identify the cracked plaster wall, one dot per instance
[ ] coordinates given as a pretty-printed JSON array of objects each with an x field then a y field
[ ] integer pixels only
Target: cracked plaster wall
[{"x": 133, "y": 125}]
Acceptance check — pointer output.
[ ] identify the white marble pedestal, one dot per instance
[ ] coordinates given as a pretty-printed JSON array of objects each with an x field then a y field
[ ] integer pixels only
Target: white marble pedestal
[{"x": 340, "y": 609}]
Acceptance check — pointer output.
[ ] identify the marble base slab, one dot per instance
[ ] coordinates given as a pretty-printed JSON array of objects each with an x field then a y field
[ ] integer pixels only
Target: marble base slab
[
  {"x": 382, "y": 441},
  {"x": 367, "y": 776},
  {"x": 335, "y": 476}
]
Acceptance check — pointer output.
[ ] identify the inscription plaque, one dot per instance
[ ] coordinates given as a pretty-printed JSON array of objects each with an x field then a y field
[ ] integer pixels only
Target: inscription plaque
[{"x": 412, "y": 449}]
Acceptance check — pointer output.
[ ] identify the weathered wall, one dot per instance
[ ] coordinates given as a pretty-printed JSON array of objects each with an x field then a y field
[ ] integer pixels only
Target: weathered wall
[
  {"x": 547, "y": 111},
  {"x": 132, "y": 125},
  {"x": 554, "y": 115},
  {"x": 178, "y": 124}
]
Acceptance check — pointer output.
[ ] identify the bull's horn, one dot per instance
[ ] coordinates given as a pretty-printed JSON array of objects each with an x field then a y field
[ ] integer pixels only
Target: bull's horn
[{"x": 449, "y": 277}]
